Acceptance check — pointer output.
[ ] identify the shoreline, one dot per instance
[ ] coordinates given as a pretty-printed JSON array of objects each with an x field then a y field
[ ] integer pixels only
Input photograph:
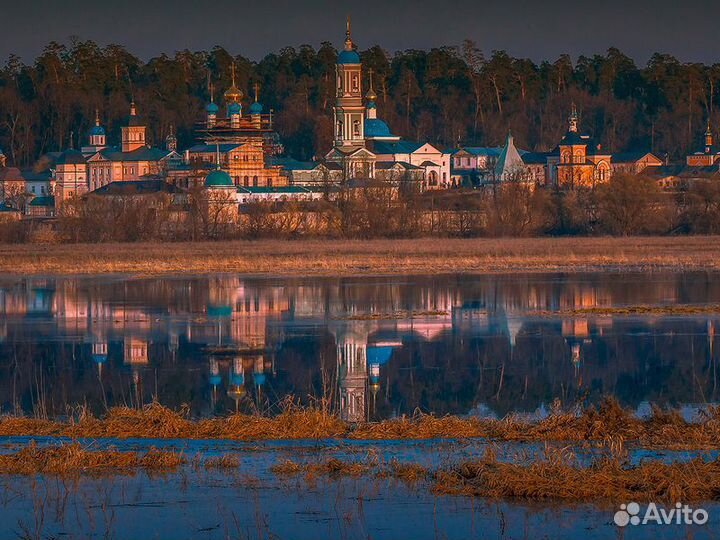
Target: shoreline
[{"x": 328, "y": 258}]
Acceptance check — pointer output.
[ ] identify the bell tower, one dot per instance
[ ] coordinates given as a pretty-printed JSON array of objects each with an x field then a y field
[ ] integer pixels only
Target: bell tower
[
  {"x": 349, "y": 109},
  {"x": 133, "y": 134}
]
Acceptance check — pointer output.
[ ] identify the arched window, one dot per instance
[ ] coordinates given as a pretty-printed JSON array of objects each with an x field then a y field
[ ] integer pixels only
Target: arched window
[
  {"x": 246, "y": 181},
  {"x": 269, "y": 182},
  {"x": 255, "y": 181}
]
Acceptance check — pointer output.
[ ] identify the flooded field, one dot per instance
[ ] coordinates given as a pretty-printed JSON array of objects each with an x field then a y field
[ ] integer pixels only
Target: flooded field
[
  {"x": 251, "y": 501},
  {"x": 368, "y": 349}
]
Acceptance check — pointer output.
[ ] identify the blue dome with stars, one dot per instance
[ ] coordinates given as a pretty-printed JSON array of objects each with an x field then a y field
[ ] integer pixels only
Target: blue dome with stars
[
  {"x": 212, "y": 108},
  {"x": 376, "y": 128},
  {"x": 256, "y": 108},
  {"x": 235, "y": 108}
]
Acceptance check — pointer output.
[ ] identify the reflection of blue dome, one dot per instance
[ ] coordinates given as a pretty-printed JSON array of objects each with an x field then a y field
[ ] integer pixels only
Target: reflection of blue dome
[
  {"x": 219, "y": 311},
  {"x": 215, "y": 380},
  {"x": 218, "y": 178},
  {"x": 259, "y": 379},
  {"x": 235, "y": 108},
  {"x": 212, "y": 108},
  {"x": 95, "y": 131},
  {"x": 99, "y": 358},
  {"x": 238, "y": 379},
  {"x": 256, "y": 108},
  {"x": 379, "y": 355},
  {"x": 376, "y": 128},
  {"x": 348, "y": 57}
]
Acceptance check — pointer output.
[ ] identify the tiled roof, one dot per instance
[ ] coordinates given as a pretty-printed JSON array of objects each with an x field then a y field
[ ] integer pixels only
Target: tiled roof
[
  {"x": 71, "y": 157},
  {"x": 141, "y": 154},
  {"x": 384, "y": 165},
  {"x": 399, "y": 147},
  {"x": 291, "y": 164},
  {"x": 683, "y": 171},
  {"x": 631, "y": 157},
  {"x": 276, "y": 190},
  {"x": 10, "y": 174},
  {"x": 137, "y": 187},
  {"x": 31, "y": 175},
  {"x": 487, "y": 151},
  {"x": 212, "y": 148},
  {"x": 534, "y": 158}
]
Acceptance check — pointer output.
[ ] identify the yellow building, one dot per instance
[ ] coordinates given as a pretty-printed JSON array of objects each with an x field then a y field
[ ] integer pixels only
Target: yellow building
[
  {"x": 706, "y": 157},
  {"x": 244, "y": 162},
  {"x": 131, "y": 161},
  {"x": 239, "y": 144},
  {"x": 578, "y": 162}
]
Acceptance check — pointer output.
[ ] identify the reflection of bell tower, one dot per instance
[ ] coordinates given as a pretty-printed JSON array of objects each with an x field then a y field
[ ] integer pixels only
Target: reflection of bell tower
[
  {"x": 99, "y": 354},
  {"x": 258, "y": 376},
  {"x": 135, "y": 354},
  {"x": 352, "y": 376}
]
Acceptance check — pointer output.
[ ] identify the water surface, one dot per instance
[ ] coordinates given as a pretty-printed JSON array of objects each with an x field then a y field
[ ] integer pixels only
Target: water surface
[{"x": 372, "y": 347}]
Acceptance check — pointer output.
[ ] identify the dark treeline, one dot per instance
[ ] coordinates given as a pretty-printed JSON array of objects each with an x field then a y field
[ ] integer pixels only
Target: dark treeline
[{"x": 447, "y": 96}]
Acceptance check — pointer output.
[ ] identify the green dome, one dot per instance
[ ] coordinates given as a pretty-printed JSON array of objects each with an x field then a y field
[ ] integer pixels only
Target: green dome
[{"x": 218, "y": 178}]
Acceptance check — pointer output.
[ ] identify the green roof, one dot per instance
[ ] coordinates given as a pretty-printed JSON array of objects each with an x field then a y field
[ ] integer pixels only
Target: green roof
[
  {"x": 43, "y": 201},
  {"x": 218, "y": 178}
]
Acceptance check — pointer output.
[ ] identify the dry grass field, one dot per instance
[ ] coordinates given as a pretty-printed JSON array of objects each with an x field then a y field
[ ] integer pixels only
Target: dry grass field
[
  {"x": 605, "y": 424},
  {"x": 356, "y": 257}
]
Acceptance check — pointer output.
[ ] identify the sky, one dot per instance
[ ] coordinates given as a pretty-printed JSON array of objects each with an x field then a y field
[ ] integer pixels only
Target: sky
[{"x": 540, "y": 30}]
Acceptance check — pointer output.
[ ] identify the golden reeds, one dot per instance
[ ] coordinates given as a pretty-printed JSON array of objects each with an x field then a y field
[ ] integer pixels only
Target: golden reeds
[
  {"x": 73, "y": 459},
  {"x": 598, "y": 425},
  {"x": 556, "y": 477}
]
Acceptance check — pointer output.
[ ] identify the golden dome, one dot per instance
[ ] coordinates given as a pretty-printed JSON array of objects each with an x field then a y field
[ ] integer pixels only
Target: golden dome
[
  {"x": 233, "y": 95},
  {"x": 371, "y": 95}
]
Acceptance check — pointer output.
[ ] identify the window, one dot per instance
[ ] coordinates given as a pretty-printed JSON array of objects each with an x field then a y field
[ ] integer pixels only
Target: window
[
  {"x": 246, "y": 181},
  {"x": 269, "y": 182},
  {"x": 356, "y": 128},
  {"x": 255, "y": 181}
]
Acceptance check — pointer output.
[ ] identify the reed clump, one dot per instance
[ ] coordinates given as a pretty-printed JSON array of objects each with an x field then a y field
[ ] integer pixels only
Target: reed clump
[
  {"x": 594, "y": 424},
  {"x": 559, "y": 477},
  {"x": 227, "y": 461},
  {"x": 74, "y": 459},
  {"x": 407, "y": 472},
  {"x": 332, "y": 467}
]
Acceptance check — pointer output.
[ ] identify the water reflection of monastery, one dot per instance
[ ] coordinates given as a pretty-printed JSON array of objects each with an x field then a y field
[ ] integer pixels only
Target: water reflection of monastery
[{"x": 233, "y": 328}]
